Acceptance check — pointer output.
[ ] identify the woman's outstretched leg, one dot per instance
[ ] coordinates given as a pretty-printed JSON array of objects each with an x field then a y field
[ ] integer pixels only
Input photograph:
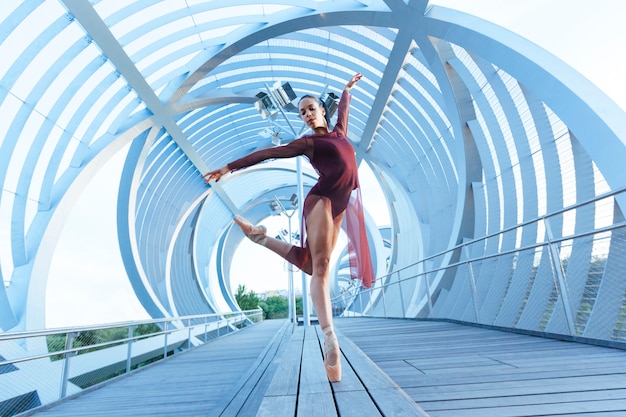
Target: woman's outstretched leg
[{"x": 258, "y": 234}]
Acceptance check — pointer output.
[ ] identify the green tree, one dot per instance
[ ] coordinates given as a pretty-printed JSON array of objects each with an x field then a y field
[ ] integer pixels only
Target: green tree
[
  {"x": 299, "y": 306},
  {"x": 146, "y": 329},
  {"x": 246, "y": 300},
  {"x": 276, "y": 307}
]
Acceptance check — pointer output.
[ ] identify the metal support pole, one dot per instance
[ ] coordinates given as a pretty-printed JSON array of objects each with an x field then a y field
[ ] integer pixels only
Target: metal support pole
[
  {"x": 129, "y": 353},
  {"x": 401, "y": 297},
  {"x": 293, "y": 318},
  {"x": 559, "y": 278},
  {"x": 293, "y": 314},
  {"x": 66, "y": 363},
  {"x": 165, "y": 342},
  {"x": 188, "y": 334},
  {"x": 384, "y": 300},
  {"x": 291, "y": 292},
  {"x": 474, "y": 292},
  {"x": 429, "y": 293},
  {"x": 472, "y": 283},
  {"x": 361, "y": 301},
  {"x": 306, "y": 312}
]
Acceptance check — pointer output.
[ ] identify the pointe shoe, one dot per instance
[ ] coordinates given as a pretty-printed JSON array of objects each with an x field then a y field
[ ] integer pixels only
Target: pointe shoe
[
  {"x": 333, "y": 372},
  {"x": 257, "y": 234}
]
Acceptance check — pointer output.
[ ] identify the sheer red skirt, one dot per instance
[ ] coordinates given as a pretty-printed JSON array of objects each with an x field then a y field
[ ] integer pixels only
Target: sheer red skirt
[{"x": 358, "y": 247}]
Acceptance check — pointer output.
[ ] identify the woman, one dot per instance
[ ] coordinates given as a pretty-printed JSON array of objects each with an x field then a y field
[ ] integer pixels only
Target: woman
[{"x": 325, "y": 206}]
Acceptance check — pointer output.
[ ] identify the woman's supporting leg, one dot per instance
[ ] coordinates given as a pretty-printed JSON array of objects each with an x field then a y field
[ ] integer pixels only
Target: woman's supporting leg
[{"x": 322, "y": 232}]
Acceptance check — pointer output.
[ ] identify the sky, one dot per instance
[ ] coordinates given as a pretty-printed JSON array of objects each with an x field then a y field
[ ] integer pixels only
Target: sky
[{"x": 588, "y": 35}]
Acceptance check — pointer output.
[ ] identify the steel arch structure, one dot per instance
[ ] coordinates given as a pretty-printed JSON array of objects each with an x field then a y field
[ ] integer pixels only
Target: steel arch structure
[{"x": 470, "y": 129}]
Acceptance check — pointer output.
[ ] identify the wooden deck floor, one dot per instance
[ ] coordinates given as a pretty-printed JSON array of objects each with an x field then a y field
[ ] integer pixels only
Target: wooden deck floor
[
  {"x": 456, "y": 370},
  {"x": 430, "y": 369}
]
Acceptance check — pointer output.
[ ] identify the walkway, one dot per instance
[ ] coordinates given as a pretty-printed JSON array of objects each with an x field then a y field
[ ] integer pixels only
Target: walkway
[
  {"x": 452, "y": 370},
  {"x": 391, "y": 368}
]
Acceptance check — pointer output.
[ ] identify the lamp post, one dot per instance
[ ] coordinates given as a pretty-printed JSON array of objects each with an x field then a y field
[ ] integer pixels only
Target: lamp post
[
  {"x": 278, "y": 208},
  {"x": 276, "y": 100}
]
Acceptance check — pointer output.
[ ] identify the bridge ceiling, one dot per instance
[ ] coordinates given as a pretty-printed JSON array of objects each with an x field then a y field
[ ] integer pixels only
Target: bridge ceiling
[{"x": 468, "y": 127}]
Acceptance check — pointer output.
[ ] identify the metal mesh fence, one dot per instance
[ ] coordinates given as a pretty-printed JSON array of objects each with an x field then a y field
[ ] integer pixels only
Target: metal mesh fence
[
  {"x": 561, "y": 274},
  {"x": 38, "y": 368}
]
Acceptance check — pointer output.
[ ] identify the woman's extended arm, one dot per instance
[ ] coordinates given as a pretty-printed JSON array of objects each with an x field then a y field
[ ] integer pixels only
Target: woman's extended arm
[{"x": 295, "y": 148}]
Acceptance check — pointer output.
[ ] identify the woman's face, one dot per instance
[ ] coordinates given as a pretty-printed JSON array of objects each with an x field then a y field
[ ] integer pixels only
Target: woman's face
[{"x": 312, "y": 113}]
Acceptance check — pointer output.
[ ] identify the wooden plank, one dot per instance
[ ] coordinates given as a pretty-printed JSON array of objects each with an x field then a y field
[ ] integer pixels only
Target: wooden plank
[
  {"x": 395, "y": 402},
  {"x": 315, "y": 395},
  {"x": 280, "y": 398},
  {"x": 313, "y": 377},
  {"x": 603, "y": 414},
  {"x": 563, "y": 361},
  {"x": 486, "y": 375},
  {"x": 278, "y": 405},
  {"x": 355, "y": 404},
  {"x": 510, "y": 388},
  {"x": 563, "y": 409},
  {"x": 316, "y": 405},
  {"x": 285, "y": 381},
  {"x": 517, "y": 400}
]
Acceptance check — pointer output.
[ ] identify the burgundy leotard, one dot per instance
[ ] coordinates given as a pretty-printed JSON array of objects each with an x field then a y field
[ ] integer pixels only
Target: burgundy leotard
[{"x": 332, "y": 156}]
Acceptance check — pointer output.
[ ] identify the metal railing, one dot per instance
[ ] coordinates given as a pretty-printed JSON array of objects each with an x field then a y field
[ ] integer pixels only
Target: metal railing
[
  {"x": 40, "y": 367},
  {"x": 568, "y": 281}
]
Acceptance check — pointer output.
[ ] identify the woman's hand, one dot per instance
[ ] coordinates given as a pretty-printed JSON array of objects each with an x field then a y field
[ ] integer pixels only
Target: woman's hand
[
  {"x": 354, "y": 80},
  {"x": 216, "y": 174}
]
